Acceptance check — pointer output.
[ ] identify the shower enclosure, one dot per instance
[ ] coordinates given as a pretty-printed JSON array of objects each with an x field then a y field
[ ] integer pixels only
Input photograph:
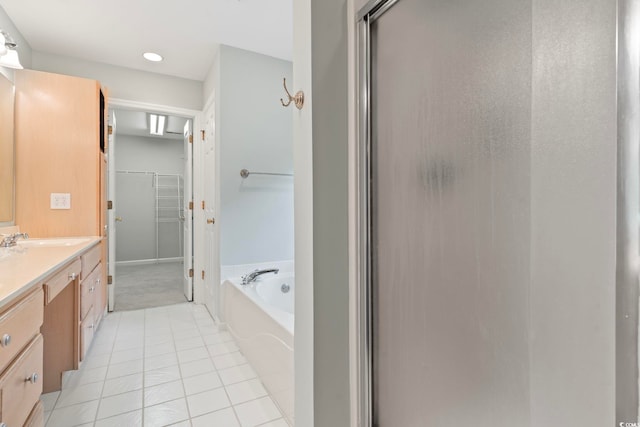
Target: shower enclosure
[
  {"x": 492, "y": 137},
  {"x": 150, "y": 216}
]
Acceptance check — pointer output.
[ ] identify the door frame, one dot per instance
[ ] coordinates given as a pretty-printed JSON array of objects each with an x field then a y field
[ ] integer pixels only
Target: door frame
[{"x": 198, "y": 228}]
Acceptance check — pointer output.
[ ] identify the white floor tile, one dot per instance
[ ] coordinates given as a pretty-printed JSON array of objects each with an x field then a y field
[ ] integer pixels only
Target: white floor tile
[
  {"x": 223, "y": 418},
  {"x": 127, "y": 344},
  {"x": 223, "y": 348},
  {"x": 245, "y": 391},
  {"x": 160, "y": 376},
  {"x": 228, "y": 360},
  {"x": 125, "y": 368},
  {"x": 236, "y": 374},
  {"x": 193, "y": 354},
  {"x": 209, "y": 401},
  {"x": 130, "y": 419},
  {"x": 80, "y": 394},
  {"x": 257, "y": 412},
  {"x": 122, "y": 385},
  {"x": 186, "y": 344},
  {"x": 96, "y": 361},
  {"x": 73, "y": 415},
  {"x": 85, "y": 376},
  {"x": 120, "y": 403},
  {"x": 166, "y": 413},
  {"x": 142, "y": 365},
  {"x": 163, "y": 393},
  {"x": 277, "y": 423},
  {"x": 49, "y": 400},
  {"x": 196, "y": 367},
  {"x": 159, "y": 349},
  {"x": 200, "y": 383},
  {"x": 162, "y": 361},
  {"x": 126, "y": 355}
]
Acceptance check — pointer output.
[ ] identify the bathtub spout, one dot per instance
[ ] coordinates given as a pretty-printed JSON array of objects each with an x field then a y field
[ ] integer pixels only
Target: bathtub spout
[{"x": 251, "y": 277}]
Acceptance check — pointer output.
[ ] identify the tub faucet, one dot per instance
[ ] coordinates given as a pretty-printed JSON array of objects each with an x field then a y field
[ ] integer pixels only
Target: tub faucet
[
  {"x": 9, "y": 240},
  {"x": 251, "y": 277}
]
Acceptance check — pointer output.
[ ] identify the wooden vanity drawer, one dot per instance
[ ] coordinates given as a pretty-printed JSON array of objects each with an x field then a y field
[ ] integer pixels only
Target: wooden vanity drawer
[
  {"x": 19, "y": 325},
  {"x": 55, "y": 284},
  {"x": 21, "y": 385},
  {"x": 88, "y": 289},
  {"x": 91, "y": 259}
]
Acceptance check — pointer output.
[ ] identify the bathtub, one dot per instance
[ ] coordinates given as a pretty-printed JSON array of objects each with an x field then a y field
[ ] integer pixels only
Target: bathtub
[{"x": 260, "y": 318}]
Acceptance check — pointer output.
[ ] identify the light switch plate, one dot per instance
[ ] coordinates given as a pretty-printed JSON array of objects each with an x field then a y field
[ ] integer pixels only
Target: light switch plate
[{"x": 60, "y": 201}]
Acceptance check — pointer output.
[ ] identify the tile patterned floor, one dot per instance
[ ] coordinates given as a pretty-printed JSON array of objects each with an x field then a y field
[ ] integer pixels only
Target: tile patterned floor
[{"x": 159, "y": 367}]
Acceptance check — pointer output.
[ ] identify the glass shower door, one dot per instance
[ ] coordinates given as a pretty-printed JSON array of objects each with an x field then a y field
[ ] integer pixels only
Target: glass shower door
[{"x": 449, "y": 212}]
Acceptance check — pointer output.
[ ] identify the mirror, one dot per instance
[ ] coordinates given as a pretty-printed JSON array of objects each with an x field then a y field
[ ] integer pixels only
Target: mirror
[{"x": 6, "y": 150}]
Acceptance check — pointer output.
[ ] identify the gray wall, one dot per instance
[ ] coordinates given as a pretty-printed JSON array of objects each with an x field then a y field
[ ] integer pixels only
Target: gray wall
[
  {"x": 330, "y": 214},
  {"x": 135, "y": 196},
  {"x": 255, "y": 132},
  {"x": 126, "y": 83}
]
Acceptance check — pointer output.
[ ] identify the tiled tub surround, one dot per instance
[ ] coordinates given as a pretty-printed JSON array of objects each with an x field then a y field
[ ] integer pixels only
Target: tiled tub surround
[
  {"x": 261, "y": 319},
  {"x": 162, "y": 366}
]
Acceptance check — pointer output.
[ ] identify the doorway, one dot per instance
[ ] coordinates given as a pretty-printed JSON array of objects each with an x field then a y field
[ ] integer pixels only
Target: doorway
[{"x": 151, "y": 189}]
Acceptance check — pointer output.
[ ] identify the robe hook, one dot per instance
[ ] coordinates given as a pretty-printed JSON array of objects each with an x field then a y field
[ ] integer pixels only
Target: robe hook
[{"x": 298, "y": 99}]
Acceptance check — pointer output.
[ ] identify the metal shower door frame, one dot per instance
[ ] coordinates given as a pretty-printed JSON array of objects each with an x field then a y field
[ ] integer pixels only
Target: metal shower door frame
[{"x": 364, "y": 256}]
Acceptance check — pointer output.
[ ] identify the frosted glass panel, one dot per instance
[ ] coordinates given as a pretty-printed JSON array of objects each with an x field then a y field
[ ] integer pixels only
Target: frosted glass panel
[{"x": 451, "y": 108}]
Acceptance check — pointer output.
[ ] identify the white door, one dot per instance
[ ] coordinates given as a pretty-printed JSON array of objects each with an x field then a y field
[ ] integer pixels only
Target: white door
[
  {"x": 111, "y": 219},
  {"x": 187, "y": 214},
  {"x": 210, "y": 274}
]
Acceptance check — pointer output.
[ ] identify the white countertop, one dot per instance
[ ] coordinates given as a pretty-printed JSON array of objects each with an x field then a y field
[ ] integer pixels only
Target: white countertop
[{"x": 21, "y": 267}]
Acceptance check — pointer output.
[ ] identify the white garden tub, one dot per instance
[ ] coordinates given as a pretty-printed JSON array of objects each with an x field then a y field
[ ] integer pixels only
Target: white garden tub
[{"x": 260, "y": 318}]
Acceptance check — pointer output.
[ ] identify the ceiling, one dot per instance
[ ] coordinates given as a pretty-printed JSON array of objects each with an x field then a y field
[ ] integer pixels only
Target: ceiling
[
  {"x": 185, "y": 32},
  {"x": 136, "y": 123}
]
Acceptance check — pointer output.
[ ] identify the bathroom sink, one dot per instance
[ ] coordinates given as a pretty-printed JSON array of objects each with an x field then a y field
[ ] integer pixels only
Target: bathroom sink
[{"x": 54, "y": 242}]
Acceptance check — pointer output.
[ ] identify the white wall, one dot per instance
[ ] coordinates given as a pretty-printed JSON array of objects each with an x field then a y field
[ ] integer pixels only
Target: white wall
[
  {"x": 126, "y": 83},
  {"x": 135, "y": 197},
  {"x": 149, "y": 154},
  {"x": 255, "y": 133}
]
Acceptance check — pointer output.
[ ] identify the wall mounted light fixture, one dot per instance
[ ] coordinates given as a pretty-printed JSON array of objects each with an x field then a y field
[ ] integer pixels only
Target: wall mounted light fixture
[{"x": 8, "y": 53}]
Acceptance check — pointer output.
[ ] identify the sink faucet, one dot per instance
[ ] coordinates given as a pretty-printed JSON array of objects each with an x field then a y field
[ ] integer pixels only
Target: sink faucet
[
  {"x": 251, "y": 277},
  {"x": 9, "y": 240}
]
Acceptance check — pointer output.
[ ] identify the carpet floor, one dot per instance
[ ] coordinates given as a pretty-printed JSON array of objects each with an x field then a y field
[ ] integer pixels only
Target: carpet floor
[{"x": 149, "y": 285}]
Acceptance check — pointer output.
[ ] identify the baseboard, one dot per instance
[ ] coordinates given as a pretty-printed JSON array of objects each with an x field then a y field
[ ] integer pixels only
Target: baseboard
[{"x": 149, "y": 261}]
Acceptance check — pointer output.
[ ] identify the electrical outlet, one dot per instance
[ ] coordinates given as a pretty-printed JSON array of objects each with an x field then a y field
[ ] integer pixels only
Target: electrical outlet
[{"x": 60, "y": 201}]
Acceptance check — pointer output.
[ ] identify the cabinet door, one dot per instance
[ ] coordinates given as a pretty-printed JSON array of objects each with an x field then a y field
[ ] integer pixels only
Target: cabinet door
[{"x": 21, "y": 385}]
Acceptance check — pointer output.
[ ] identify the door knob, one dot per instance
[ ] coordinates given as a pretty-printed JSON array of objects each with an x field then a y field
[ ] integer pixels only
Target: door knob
[
  {"x": 211, "y": 221},
  {"x": 118, "y": 219}
]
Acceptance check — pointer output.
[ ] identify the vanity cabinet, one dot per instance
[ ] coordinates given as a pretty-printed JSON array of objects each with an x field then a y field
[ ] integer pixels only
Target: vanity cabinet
[
  {"x": 74, "y": 305},
  {"x": 21, "y": 360},
  {"x": 60, "y": 142},
  {"x": 92, "y": 298}
]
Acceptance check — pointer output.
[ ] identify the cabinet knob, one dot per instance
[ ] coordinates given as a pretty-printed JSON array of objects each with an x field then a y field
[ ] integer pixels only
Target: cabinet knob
[
  {"x": 72, "y": 276},
  {"x": 91, "y": 289},
  {"x": 211, "y": 221},
  {"x": 91, "y": 326},
  {"x": 6, "y": 340},
  {"x": 33, "y": 378}
]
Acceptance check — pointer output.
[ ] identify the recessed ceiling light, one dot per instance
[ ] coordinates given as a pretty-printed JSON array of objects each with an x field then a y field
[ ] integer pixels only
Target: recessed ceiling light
[
  {"x": 156, "y": 124},
  {"x": 153, "y": 57}
]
